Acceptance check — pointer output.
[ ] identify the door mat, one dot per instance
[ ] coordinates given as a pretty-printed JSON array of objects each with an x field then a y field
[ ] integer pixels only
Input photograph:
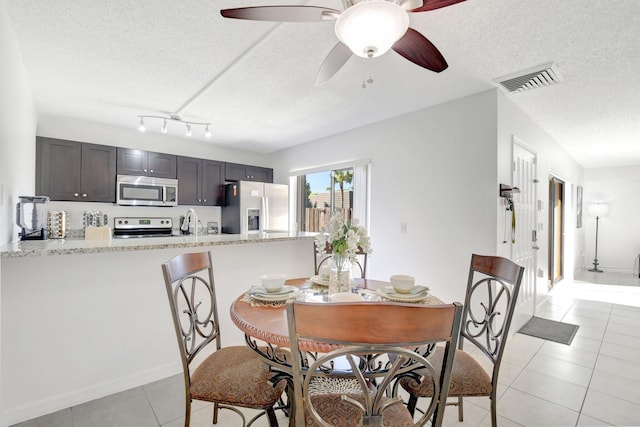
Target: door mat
[{"x": 550, "y": 330}]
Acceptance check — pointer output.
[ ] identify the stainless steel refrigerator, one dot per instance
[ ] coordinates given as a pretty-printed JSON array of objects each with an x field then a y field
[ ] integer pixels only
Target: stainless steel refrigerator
[{"x": 254, "y": 207}]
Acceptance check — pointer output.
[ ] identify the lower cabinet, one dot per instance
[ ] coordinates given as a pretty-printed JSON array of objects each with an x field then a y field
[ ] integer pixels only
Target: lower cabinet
[
  {"x": 75, "y": 171},
  {"x": 200, "y": 181}
]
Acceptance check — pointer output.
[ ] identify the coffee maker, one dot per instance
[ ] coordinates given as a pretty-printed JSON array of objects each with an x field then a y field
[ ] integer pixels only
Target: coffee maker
[{"x": 31, "y": 216}]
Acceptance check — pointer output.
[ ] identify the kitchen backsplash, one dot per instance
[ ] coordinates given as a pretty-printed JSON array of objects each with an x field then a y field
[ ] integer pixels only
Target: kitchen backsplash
[{"x": 76, "y": 223}]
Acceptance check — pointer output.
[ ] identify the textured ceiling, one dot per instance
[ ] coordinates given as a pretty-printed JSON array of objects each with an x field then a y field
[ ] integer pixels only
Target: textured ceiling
[{"x": 109, "y": 61}]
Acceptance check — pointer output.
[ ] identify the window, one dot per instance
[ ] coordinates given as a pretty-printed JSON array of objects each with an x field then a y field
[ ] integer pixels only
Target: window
[
  {"x": 321, "y": 192},
  {"x": 325, "y": 192}
]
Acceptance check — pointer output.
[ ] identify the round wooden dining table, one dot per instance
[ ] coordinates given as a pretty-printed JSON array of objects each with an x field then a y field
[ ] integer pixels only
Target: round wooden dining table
[{"x": 269, "y": 323}]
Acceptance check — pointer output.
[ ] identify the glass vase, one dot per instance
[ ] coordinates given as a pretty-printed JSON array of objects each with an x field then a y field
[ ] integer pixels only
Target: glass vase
[{"x": 340, "y": 277}]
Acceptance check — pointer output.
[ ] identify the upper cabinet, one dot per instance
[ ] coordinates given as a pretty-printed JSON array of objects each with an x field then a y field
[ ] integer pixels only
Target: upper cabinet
[
  {"x": 238, "y": 172},
  {"x": 146, "y": 163},
  {"x": 200, "y": 181},
  {"x": 75, "y": 171}
]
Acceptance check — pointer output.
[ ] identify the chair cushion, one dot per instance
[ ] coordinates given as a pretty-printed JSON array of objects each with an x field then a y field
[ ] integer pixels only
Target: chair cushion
[
  {"x": 235, "y": 376},
  {"x": 341, "y": 414},
  {"x": 468, "y": 377}
]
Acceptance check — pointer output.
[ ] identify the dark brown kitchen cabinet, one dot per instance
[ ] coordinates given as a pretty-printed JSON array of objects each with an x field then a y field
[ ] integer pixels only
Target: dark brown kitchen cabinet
[
  {"x": 200, "y": 181},
  {"x": 146, "y": 163},
  {"x": 75, "y": 171},
  {"x": 238, "y": 172}
]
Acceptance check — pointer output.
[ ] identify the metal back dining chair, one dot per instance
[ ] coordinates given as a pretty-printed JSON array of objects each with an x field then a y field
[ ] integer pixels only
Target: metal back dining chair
[
  {"x": 364, "y": 346},
  {"x": 229, "y": 377},
  {"x": 492, "y": 290},
  {"x": 320, "y": 260}
]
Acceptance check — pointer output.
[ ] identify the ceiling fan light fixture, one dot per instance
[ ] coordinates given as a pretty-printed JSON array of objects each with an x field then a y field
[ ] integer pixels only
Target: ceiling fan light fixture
[{"x": 371, "y": 27}]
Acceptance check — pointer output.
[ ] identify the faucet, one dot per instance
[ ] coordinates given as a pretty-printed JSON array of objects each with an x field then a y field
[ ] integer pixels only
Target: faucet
[{"x": 190, "y": 217}]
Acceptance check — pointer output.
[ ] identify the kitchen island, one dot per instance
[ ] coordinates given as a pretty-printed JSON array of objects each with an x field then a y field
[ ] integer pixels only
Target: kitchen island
[{"x": 82, "y": 319}]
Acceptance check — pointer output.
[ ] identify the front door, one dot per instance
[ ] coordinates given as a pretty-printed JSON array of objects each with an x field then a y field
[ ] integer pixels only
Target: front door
[{"x": 524, "y": 237}]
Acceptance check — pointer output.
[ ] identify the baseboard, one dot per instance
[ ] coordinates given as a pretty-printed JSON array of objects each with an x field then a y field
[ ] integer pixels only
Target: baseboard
[
  {"x": 76, "y": 397},
  {"x": 606, "y": 270}
]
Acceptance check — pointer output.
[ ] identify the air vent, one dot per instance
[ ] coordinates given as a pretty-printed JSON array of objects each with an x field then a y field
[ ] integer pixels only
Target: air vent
[{"x": 540, "y": 76}]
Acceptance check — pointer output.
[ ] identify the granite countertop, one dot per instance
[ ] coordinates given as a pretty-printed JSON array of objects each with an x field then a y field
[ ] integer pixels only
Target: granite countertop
[{"x": 81, "y": 246}]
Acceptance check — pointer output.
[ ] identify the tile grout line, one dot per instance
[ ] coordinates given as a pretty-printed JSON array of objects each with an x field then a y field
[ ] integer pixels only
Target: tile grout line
[{"x": 593, "y": 371}]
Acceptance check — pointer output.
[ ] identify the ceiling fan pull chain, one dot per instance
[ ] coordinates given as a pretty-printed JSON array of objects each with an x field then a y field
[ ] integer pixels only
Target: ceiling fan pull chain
[{"x": 366, "y": 81}]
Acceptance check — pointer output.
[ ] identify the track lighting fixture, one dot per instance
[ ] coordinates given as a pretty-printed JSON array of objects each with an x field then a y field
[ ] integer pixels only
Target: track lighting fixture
[{"x": 175, "y": 118}]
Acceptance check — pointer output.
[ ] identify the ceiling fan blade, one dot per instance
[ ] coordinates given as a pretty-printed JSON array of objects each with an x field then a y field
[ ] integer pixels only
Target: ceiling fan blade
[
  {"x": 282, "y": 13},
  {"x": 416, "y": 48},
  {"x": 435, "y": 4},
  {"x": 338, "y": 56}
]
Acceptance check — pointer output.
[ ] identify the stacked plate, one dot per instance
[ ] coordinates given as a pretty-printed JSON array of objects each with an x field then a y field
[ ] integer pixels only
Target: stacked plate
[
  {"x": 318, "y": 280},
  {"x": 417, "y": 293},
  {"x": 260, "y": 293}
]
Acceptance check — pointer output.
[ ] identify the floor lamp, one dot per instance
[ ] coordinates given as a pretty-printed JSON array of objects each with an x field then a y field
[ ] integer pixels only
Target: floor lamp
[{"x": 599, "y": 210}]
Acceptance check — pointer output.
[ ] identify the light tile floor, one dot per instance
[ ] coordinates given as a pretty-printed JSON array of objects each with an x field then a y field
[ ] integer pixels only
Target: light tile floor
[{"x": 593, "y": 382}]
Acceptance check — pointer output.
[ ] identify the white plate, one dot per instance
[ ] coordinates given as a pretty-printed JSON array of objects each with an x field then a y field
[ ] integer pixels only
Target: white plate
[
  {"x": 389, "y": 294},
  {"x": 272, "y": 297},
  {"x": 319, "y": 281},
  {"x": 260, "y": 293}
]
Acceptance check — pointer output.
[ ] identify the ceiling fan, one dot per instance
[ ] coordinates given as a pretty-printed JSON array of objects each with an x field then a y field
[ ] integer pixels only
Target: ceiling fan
[{"x": 366, "y": 28}]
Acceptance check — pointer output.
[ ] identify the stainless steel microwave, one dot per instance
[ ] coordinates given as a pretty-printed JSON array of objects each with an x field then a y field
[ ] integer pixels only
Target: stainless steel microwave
[{"x": 146, "y": 191}]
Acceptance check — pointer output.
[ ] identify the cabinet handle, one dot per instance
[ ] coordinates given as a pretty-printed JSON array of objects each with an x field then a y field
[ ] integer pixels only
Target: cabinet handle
[
  {"x": 145, "y": 171},
  {"x": 76, "y": 194},
  {"x": 199, "y": 200},
  {"x": 151, "y": 171},
  {"x": 204, "y": 200},
  {"x": 84, "y": 195}
]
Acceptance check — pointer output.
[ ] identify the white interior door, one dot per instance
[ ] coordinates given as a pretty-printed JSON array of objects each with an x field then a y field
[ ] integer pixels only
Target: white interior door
[{"x": 524, "y": 244}]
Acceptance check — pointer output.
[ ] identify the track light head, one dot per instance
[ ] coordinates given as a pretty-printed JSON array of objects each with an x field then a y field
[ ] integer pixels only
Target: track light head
[{"x": 176, "y": 118}]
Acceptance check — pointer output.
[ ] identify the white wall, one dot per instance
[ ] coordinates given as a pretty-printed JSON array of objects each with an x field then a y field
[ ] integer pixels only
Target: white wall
[
  {"x": 17, "y": 130},
  {"x": 552, "y": 160},
  {"x": 434, "y": 169},
  {"x": 438, "y": 170},
  {"x": 619, "y": 231}
]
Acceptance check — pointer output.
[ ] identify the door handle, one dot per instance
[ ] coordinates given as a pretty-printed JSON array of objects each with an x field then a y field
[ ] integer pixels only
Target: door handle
[{"x": 535, "y": 247}]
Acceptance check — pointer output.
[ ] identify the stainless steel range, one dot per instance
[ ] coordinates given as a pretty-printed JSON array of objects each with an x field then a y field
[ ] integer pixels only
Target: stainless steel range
[{"x": 126, "y": 227}]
